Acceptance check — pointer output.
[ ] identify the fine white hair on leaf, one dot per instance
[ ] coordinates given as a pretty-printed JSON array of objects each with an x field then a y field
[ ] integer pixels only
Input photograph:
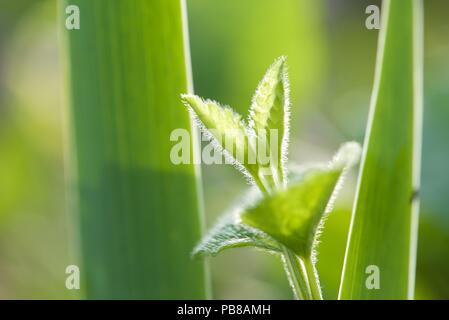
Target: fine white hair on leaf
[
  {"x": 346, "y": 157},
  {"x": 263, "y": 109},
  {"x": 230, "y": 232},
  {"x": 235, "y": 123},
  {"x": 219, "y": 148},
  {"x": 290, "y": 276},
  {"x": 286, "y": 137},
  {"x": 281, "y": 59}
]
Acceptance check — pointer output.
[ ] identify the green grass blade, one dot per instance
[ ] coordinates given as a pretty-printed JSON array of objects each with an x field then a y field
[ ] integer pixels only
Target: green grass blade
[
  {"x": 139, "y": 214},
  {"x": 384, "y": 222}
]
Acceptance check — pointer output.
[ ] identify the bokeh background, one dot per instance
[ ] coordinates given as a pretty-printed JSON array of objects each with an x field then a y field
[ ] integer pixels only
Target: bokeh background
[{"x": 331, "y": 59}]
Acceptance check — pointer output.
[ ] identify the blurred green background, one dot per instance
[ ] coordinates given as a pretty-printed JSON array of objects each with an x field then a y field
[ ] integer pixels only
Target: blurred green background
[{"x": 331, "y": 59}]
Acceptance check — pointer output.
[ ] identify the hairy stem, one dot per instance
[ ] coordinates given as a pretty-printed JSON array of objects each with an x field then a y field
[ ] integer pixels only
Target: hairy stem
[
  {"x": 314, "y": 282},
  {"x": 296, "y": 275}
]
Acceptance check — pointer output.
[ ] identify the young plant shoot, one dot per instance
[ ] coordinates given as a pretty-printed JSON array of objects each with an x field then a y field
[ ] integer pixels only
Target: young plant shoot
[{"x": 287, "y": 216}]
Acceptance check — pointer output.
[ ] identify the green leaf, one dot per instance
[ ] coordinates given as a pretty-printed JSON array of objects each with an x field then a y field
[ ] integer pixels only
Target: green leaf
[
  {"x": 139, "y": 214},
  {"x": 230, "y": 233},
  {"x": 269, "y": 112},
  {"x": 225, "y": 127},
  {"x": 292, "y": 216},
  {"x": 383, "y": 237}
]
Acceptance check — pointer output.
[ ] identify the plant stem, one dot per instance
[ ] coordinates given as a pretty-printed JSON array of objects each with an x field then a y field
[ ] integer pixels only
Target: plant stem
[
  {"x": 296, "y": 275},
  {"x": 314, "y": 282}
]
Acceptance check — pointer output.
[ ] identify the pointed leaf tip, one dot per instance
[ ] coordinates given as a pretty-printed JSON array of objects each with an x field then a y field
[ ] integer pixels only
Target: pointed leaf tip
[
  {"x": 269, "y": 115},
  {"x": 347, "y": 156}
]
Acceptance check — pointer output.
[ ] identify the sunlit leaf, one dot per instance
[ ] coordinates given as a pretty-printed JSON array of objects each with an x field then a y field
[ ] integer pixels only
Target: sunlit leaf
[
  {"x": 229, "y": 233},
  {"x": 225, "y": 128},
  {"x": 293, "y": 216},
  {"x": 269, "y": 113}
]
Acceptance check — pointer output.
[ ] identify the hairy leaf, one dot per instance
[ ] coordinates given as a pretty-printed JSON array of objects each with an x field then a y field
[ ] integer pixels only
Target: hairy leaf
[
  {"x": 269, "y": 113},
  {"x": 230, "y": 233},
  {"x": 293, "y": 216},
  {"x": 225, "y": 127}
]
